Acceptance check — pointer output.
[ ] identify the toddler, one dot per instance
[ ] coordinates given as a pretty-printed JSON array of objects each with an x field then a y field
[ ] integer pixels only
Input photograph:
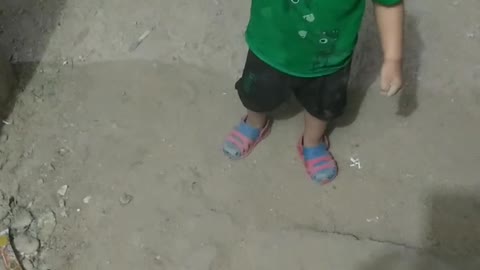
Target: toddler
[{"x": 305, "y": 47}]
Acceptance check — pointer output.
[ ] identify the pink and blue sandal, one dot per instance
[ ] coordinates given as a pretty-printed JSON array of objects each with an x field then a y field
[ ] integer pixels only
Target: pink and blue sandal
[
  {"x": 243, "y": 139},
  {"x": 319, "y": 162}
]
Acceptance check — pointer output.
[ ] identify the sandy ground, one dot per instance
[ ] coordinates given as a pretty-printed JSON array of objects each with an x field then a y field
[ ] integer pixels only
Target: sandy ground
[{"x": 136, "y": 135}]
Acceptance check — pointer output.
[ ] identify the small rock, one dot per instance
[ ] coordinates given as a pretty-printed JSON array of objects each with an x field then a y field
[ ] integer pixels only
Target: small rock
[
  {"x": 46, "y": 224},
  {"x": 22, "y": 218},
  {"x": 87, "y": 199},
  {"x": 63, "y": 190},
  {"x": 26, "y": 245},
  {"x": 126, "y": 199},
  {"x": 62, "y": 151},
  {"x": 7, "y": 122},
  {"x": 27, "y": 265}
]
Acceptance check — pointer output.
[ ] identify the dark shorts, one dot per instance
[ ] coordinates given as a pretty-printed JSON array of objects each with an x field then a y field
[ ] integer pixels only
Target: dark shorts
[{"x": 262, "y": 88}]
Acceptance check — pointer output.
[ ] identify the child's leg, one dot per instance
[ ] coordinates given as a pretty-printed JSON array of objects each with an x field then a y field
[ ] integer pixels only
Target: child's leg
[
  {"x": 261, "y": 89},
  {"x": 256, "y": 120},
  {"x": 319, "y": 162},
  {"x": 324, "y": 99},
  {"x": 314, "y": 131}
]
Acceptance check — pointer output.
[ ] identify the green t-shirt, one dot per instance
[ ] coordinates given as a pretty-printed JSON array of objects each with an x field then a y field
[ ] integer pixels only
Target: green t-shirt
[{"x": 306, "y": 38}]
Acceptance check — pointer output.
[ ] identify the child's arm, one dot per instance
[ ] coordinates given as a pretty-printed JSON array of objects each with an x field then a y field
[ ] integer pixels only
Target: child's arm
[{"x": 390, "y": 25}]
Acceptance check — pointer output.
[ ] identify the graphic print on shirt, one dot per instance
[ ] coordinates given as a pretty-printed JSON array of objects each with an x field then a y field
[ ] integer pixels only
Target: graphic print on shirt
[
  {"x": 324, "y": 39},
  {"x": 327, "y": 42}
]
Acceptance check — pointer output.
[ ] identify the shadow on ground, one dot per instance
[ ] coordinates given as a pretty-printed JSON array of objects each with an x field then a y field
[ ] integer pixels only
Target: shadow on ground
[
  {"x": 366, "y": 69},
  {"x": 25, "y": 30},
  {"x": 452, "y": 237}
]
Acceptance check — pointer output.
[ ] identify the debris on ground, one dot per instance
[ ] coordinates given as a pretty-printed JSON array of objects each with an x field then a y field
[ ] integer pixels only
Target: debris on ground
[
  {"x": 30, "y": 233},
  {"x": 46, "y": 224},
  {"x": 6, "y": 122},
  {"x": 139, "y": 41},
  {"x": 26, "y": 245},
  {"x": 22, "y": 218},
  {"x": 87, "y": 199},
  {"x": 375, "y": 219},
  {"x": 355, "y": 162},
  {"x": 9, "y": 259},
  {"x": 62, "y": 151},
  {"x": 63, "y": 190},
  {"x": 126, "y": 199}
]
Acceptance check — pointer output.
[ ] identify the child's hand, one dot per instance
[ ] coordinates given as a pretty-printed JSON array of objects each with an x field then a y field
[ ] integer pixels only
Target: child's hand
[{"x": 391, "y": 77}]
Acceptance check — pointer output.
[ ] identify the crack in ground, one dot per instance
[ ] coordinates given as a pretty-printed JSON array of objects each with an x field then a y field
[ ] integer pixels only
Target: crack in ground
[{"x": 356, "y": 237}]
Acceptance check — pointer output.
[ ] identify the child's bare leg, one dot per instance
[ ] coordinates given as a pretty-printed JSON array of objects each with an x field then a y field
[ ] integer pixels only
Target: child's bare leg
[
  {"x": 255, "y": 119},
  {"x": 314, "y": 131},
  {"x": 262, "y": 88},
  {"x": 319, "y": 162}
]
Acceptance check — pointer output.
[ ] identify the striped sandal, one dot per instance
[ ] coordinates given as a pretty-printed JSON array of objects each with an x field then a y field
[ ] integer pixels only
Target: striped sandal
[
  {"x": 319, "y": 162},
  {"x": 243, "y": 138}
]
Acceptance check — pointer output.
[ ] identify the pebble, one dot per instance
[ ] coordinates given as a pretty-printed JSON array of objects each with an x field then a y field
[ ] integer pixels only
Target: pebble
[
  {"x": 63, "y": 190},
  {"x": 126, "y": 199},
  {"x": 26, "y": 245},
  {"x": 7, "y": 122},
  {"x": 22, "y": 218},
  {"x": 46, "y": 224},
  {"x": 62, "y": 151},
  {"x": 87, "y": 199}
]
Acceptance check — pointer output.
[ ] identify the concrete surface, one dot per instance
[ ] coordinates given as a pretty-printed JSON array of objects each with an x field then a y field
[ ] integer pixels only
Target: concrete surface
[{"x": 150, "y": 123}]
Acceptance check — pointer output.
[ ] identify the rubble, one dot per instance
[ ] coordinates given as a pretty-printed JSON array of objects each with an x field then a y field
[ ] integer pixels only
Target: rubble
[
  {"x": 62, "y": 191},
  {"x": 21, "y": 220},
  {"x": 46, "y": 224},
  {"x": 30, "y": 231},
  {"x": 26, "y": 244}
]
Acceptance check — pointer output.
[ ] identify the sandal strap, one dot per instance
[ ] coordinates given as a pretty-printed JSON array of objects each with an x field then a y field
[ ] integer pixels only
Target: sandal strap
[
  {"x": 235, "y": 134},
  {"x": 314, "y": 170},
  {"x": 316, "y": 161},
  {"x": 315, "y": 165},
  {"x": 240, "y": 141},
  {"x": 238, "y": 144}
]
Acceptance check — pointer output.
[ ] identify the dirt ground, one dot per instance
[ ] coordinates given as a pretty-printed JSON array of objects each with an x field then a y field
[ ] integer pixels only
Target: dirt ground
[{"x": 111, "y": 155}]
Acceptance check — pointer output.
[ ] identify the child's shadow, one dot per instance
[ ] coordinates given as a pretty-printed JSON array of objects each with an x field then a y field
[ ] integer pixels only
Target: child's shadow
[{"x": 366, "y": 69}]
